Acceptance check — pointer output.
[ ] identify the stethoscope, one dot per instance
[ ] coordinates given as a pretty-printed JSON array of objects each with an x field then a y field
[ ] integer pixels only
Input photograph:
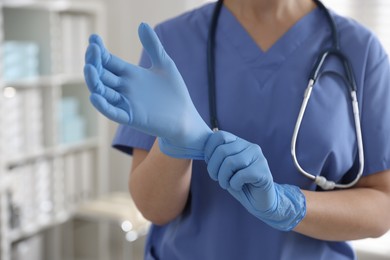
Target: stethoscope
[{"x": 314, "y": 75}]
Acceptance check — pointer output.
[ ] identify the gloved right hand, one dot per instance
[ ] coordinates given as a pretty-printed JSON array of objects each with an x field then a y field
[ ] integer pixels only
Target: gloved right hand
[
  {"x": 241, "y": 168},
  {"x": 155, "y": 100}
]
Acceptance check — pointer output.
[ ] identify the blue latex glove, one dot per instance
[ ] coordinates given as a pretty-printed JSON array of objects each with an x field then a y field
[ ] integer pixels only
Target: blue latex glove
[
  {"x": 241, "y": 168},
  {"x": 155, "y": 100}
]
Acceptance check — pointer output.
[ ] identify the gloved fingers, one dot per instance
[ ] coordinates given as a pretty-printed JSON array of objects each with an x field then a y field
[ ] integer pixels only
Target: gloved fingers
[
  {"x": 117, "y": 66},
  {"x": 257, "y": 171},
  {"x": 261, "y": 198},
  {"x": 110, "y": 62},
  {"x": 216, "y": 139},
  {"x": 114, "y": 113},
  {"x": 152, "y": 45},
  {"x": 233, "y": 164},
  {"x": 96, "y": 86},
  {"x": 242, "y": 177},
  {"x": 112, "y": 96},
  {"x": 109, "y": 79},
  {"x": 93, "y": 56},
  {"x": 105, "y": 54},
  {"x": 95, "y": 38},
  {"x": 226, "y": 161},
  {"x": 92, "y": 79}
]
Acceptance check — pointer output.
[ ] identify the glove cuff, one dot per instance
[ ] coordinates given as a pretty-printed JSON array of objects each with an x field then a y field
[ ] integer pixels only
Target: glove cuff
[
  {"x": 180, "y": 152},
  {"x": 291, "y": 208}
]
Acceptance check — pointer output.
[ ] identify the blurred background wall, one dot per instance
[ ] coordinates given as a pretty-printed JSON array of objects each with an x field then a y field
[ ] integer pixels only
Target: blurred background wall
[{"x": 66, "y": 196}]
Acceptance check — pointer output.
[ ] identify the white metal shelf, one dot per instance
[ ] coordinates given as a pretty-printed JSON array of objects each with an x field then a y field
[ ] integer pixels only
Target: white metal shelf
[
  {"x": 39, "y": 21},
  {"x": 56, "y": 151},
  {"x": 30, "y": 229},
  {"x": 56, "y": 6},
  {"x": 28, "y": 82},
  {"x": 78, "y": 146},
  {"x": 44, "y": 81},
  {"x": 40, "y": 225}
]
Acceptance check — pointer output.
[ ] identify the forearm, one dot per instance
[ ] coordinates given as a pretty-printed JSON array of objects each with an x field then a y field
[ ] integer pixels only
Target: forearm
[
  {"x": 159, "y": 186},
  {"x": 346, "y": 214}
]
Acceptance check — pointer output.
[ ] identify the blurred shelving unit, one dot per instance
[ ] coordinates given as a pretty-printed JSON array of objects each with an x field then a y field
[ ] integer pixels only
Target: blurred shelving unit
[{"x": 53, "y": 144}]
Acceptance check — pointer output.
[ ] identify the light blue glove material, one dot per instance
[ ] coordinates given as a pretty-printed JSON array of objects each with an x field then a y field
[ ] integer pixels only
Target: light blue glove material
[
  {"x": 241, "y": 168},
  {"x": 155, "y": 100}
]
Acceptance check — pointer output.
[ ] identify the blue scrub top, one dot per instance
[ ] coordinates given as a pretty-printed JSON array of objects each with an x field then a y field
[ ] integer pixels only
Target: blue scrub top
[{"x": 259, "y": 94}]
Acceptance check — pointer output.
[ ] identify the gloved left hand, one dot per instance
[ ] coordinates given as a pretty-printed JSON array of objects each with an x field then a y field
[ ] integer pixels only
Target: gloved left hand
[
  {"x": 241, "y": 168},
  {"x": 155, "y": 100}
]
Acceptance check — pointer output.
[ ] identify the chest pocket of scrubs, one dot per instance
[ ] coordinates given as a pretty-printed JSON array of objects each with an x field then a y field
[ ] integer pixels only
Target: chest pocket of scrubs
[{"x": 327, "y": 141}]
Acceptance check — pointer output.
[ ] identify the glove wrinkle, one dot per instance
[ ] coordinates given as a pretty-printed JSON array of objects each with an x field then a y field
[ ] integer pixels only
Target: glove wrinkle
[{"x": 280, "y": 206}]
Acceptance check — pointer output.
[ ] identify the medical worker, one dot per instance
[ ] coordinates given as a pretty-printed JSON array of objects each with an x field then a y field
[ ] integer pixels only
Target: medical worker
[{"x": 236, "y": 193}]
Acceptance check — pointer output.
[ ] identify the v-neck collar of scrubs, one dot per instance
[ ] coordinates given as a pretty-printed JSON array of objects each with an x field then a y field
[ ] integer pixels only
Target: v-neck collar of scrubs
[{"x": 287, "y": 43}]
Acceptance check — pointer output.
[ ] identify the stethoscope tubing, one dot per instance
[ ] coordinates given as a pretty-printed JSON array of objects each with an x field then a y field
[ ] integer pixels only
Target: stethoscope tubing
[
  {"x": 318, "y": 179},
  {"x": 211, "y": 66},
  {"x": 335, "y": 51}
]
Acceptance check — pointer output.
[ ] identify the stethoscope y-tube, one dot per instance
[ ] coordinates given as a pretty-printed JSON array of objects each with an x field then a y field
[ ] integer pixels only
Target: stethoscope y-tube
[{"x": 314, "y": 75}]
